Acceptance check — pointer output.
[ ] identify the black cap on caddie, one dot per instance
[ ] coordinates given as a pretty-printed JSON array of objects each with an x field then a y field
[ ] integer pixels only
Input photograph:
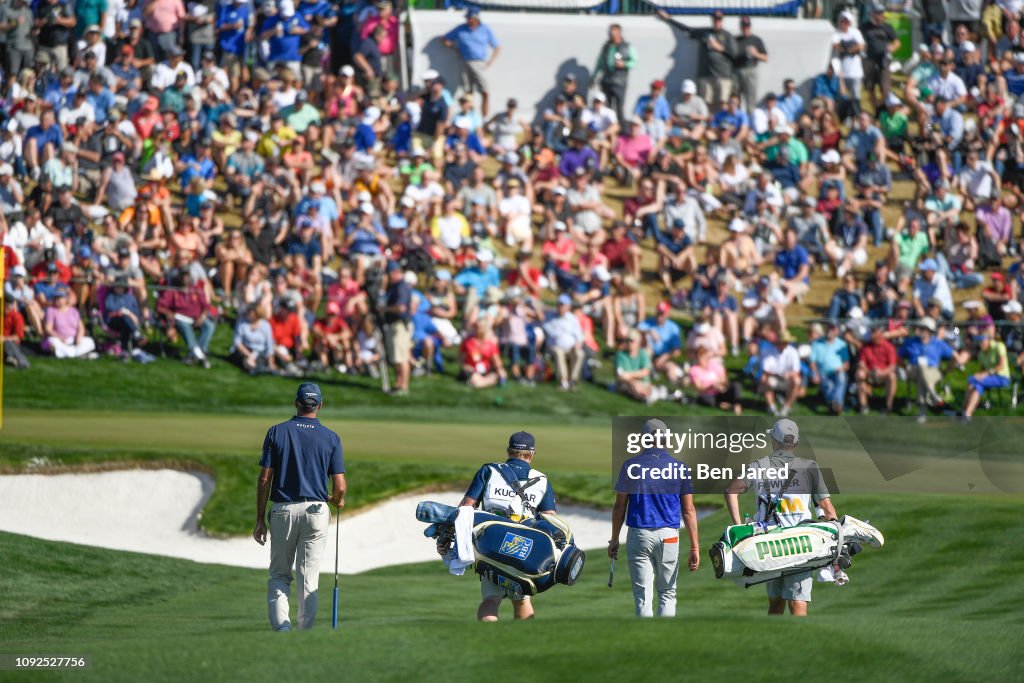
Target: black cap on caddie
[
  {"x": 309, "y": 395},
  {"x": 521, "y": 441}
]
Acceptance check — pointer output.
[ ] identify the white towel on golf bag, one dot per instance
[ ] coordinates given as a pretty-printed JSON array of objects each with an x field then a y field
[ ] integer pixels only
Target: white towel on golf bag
[
  {"x": 462, "y": 555},
  {"x": 832, "y": 574}
]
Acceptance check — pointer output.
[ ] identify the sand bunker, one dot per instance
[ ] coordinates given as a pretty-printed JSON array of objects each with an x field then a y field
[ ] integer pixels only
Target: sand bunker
[{"x": 157, "y": 511}]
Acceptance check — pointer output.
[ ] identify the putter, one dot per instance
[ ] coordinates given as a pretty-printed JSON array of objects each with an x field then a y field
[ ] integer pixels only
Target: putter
[
  {"x": 337, "y": 543},
  {"x": 611, "y": 574}
]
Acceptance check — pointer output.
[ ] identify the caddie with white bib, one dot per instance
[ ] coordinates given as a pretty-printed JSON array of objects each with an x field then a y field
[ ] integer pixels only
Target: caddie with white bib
[
  {"x": 788, "y": 489},
  {"x": 515, "y": 491}
]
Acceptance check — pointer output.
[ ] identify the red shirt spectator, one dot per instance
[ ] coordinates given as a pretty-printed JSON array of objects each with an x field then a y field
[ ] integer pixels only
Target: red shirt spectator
[
  {"x": 13, "y": 324},
  {"x": 63, "y": 272},
  {"x": 560, "y": 250},
  {"x": 880, "y": 355},
  {"x": 479, "y": 354},
  {"x": 286, "y": 328},
  {"x": 191, "y": 303}
]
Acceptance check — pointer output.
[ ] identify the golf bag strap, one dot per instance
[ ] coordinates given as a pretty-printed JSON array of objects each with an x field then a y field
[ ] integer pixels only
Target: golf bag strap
[
  {"x": 513, "y": 481},
  {"x": 770, "y": 514}
]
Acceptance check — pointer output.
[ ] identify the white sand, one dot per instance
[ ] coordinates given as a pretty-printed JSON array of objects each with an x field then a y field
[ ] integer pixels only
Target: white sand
[{"x": 156, "y": 512}]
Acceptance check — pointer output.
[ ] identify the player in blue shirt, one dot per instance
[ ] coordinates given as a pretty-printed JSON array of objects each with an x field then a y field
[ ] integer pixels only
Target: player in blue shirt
[
  {"x": 283, "y": 32},
  {"x": 653, "y": 507},
  {"x": 298, "y": 457}
]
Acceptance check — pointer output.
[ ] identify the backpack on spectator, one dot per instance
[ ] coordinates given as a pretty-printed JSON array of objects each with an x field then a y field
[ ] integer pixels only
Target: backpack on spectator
[{"x": 988, "y": 254}]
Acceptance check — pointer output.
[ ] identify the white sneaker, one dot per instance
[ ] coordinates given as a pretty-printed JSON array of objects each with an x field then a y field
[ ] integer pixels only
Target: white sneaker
[{"x": 198, "y": 353}]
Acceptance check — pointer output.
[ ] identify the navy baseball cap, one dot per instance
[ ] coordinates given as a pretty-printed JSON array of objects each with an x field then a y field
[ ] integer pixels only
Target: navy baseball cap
[
  {"x": 309, "y": 395},
  {"x": 521, "y": 441}
]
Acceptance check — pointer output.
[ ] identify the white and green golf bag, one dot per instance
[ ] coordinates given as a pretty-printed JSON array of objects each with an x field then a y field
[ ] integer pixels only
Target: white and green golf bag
[{"x": 750, "y": 554}]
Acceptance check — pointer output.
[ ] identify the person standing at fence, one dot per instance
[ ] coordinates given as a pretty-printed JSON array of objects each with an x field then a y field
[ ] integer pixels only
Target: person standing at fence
[
  {"x": 717, "y": 52},
  {"x": 880, "y": 41},
  {"x": 750, "y": 51},
  {"x": 478, "y": 48},
  {"x": 616, "y": 60}
]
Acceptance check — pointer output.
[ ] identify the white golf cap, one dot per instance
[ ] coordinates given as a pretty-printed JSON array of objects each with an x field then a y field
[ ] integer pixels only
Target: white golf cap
[
  {"x": 856, "y": 313},
  {"x": 971, "y": 304},
  {"x": 485, "y": 256},
  {"x": 701, "y": 328},
  {"x": 408, "y": 202},
  {"x": 318, "y": 187},
  {"x": 510, "y": 158},
  {"x": 847, "y": 15},
  {"x": 286, "y": 8},
  {"x": 1013, "y": 307},
  {"x": 364, "y": 196},
  {"x": 366, "y": 207},
  {"x": 371, "y": 115},
  {"x": 599, "y": 96},
  {"x": 785, "y": 431},
  {"x": 6, "y": 169},
  {"x": 348, "y": 70},
  {"x": 892, "y": 101},
  {"x": 968, "y": 46},
  {"x": 410, "y": 277},
  {"x": 689, "y": 87},
  {"x": 430, "y": 75},
  {"x": 601, "y": 273},
  {"x": 737, "y": 225},
  {"x": 831, "y": 157},
  {"x": 560, "y": 226},
  {"x": 783, "y": 129},
  {"x": 560, "y": 191},
  {"x": 463, "y": 123}
]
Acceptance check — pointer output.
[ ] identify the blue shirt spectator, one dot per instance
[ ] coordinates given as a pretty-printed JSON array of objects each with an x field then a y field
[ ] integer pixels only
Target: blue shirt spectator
[
  {"x": 666, "y": 337},
  {"x": 790, "y": 261},
  {"x": 236, "y": 16},
  {"x": 792, "y": 105},
  {"x": 479, "y": 278},
  {"x": 474, "y": 44},
  {"x": 829, "y": 355},
  {"x": 662, "y": 109},
  {"x": 933, "y": 351},
  {"x": 284, "y": 48}
]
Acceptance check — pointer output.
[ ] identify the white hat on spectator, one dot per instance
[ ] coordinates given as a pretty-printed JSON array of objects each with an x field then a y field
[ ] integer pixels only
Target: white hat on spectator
[
  {"x": 1012, "y": 307},
  {"x": 831, "y": 157},
  {"x": 6, "y": 169},
  {"x": 701, "y": 328},
  {"x": 317, "y": 187},
  {"x": 972, "y": 304},
  {"x": 599, "y": 96},
  {"x": 891, "y": 100},
  {"x": 19, "y": 271},
  {"x": 485, "y": 256},
  {"x": 364, "y": 196},
  {"x": 431, "y": 75},
  {"x": 856, "y": 313},
  {"x": 366, "y": 207},
  {"x": 783, "y": 129},
  {"x": 968, "y": 46},
  {"x": 408, "y": 202},
  {"x": 371, "y": 115},
  {"x": 559, "y": 191},
  {"x": 737, "y": 225},
  {"x": 410, "y": 277},
  {"x": 689, "y": 87},
  {"x": 463, "y": 123},
  {"x": 510, "y": 158},
  {"x": 1018, "y": 57},
  {"x": 347, "y": 70},
  {"x": 560, "y": 226},
  {"x": 847, "y": 15},
  {"x": 601, "y": 273},
  {"x": 287, "y": 8}
]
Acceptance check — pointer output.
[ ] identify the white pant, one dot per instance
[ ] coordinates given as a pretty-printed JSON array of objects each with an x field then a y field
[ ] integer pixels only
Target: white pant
[
  {"x": 298, "y": 535},
  {"x": 653, "y": 566},
  {"x": 69, "y": 349}
]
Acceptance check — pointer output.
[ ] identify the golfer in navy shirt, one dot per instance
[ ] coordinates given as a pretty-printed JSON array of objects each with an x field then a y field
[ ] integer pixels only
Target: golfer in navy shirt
[
  {"x": 298, "y": 457},
  {"x": 653, "y": 508}
]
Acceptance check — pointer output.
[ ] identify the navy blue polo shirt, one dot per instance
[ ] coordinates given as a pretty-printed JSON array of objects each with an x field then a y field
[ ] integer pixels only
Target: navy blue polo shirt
[
  {"x": 522, "y": 470},
  {"x": 303, "y": 454},
  {"x": 653, "y": 503}
]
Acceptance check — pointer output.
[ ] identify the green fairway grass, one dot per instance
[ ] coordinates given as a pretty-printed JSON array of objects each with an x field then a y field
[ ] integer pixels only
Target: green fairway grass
[{"x": 942, "y": 601}]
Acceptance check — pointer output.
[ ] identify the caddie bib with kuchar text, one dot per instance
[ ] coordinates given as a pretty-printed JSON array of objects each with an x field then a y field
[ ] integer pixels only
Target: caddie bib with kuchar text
[{"x": 501, "y": 499}]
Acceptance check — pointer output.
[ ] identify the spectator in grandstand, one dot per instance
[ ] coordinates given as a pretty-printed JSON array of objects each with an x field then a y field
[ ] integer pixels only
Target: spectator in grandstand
[
  {"x": 994, "y": 372},
  {"x": 876, "y": 367},
  {"x": 478, "y": 47},
  {"x": 717, "y": 55},
  {"x": 565, "y": 344},
  {"x": 830, "y": 365},
  {"x": 614, "y": 62},
  {"x": 780, "y": 371},
  {"x": 750, "y": 52}
]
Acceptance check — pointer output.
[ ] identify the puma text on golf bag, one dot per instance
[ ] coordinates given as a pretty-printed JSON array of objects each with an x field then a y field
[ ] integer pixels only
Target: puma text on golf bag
[
  {"x": 750, "y": 554},
  {"x": 525, "y": 558}
]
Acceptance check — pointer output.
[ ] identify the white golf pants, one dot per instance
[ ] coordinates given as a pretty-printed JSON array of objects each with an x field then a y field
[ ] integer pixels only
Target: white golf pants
[
  {"x": 653, "y": 566},
  {"x": 298, "y": 535}
]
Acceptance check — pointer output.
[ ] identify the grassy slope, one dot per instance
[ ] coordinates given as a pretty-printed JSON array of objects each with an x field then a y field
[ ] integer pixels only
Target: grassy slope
[{"x": 941, "y": 607}]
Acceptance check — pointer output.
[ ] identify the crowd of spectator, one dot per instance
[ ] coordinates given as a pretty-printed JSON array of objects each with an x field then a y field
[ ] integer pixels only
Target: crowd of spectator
[{"x": 168, "y": 169}]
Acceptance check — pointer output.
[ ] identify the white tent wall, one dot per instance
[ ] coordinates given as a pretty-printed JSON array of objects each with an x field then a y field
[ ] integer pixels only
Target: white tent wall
[{"x": 538, "y": 50}]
